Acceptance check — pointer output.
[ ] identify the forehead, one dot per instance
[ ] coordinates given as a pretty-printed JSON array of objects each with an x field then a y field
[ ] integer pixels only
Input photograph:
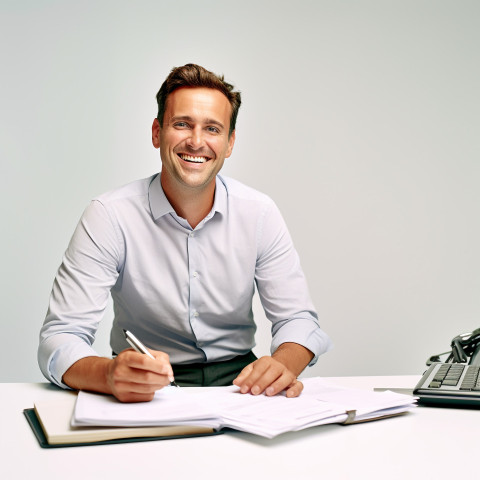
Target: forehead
[{"x": 198, "y": 103}]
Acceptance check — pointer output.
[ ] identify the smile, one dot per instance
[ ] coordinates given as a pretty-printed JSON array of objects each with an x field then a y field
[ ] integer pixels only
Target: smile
[{"x": 191, "y": 158}]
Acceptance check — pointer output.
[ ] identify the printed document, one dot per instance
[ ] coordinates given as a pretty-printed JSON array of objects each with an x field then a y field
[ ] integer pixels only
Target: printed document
[{"x": 321, "y": 402}]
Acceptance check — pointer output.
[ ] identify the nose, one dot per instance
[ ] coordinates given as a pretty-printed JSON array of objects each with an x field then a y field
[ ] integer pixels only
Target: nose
[{"x": 195, "y": 139}]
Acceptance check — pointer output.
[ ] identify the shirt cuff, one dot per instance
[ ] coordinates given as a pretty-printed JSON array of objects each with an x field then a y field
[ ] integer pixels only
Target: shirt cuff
[
  {"x": 59, "y": 352},
  {"x": 300, "y": 331}
]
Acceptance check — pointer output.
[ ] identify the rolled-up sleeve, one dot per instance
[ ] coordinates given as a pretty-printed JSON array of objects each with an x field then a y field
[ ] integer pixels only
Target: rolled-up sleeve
[
  {"x": 283, "y": 289},
  {"x": 80, "y": 293}
]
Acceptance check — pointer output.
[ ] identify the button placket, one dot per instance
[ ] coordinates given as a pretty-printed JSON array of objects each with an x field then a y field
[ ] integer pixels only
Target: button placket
[{"x": 193, "y": 286}]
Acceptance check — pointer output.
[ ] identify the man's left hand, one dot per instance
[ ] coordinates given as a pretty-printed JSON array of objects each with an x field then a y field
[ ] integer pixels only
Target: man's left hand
[{"x": 270, "y": 376}]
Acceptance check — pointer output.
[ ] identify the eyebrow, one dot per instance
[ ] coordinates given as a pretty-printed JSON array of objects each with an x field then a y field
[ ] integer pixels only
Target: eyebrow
[{"x": 207, "y": 121}]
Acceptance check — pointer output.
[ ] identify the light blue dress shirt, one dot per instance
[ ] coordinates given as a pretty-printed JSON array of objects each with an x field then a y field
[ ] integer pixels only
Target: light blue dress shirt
[{"x": 187, "y": 292}]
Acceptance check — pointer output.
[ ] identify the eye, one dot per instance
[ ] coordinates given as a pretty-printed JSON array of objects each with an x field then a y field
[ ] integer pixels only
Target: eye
[
  {"x": 180, "y": 125},
  {"x": 213, "y": 129}
]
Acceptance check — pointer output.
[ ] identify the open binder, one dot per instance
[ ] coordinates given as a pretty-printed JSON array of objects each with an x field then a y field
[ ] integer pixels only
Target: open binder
[{"x": 182, "y": 412}]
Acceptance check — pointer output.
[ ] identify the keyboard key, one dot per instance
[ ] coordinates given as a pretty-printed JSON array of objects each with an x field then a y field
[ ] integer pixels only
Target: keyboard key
[{"x": 450, "y": 383}]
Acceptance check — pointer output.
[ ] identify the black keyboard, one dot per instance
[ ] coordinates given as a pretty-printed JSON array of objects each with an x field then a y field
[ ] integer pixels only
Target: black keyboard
[{"x": 450, "y": 384}]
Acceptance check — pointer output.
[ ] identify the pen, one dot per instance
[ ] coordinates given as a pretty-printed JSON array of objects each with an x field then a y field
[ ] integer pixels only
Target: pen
[{"x": 139, "y": 347}]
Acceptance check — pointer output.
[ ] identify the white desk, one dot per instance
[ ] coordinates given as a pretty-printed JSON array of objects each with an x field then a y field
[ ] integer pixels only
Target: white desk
[{"x": 422, "y": 444}]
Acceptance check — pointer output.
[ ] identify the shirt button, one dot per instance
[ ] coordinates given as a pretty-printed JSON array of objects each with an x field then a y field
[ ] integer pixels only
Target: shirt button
[
  {"x": 191, "y": 234},
  {"x": 195, "y": 274},
  {"x": 195, "y": 314}
]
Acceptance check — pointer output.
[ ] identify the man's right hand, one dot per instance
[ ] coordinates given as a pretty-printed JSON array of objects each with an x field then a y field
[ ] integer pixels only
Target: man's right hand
[
  {"x": 130, "y": 377},
  {"x": 135, "y": 377}
]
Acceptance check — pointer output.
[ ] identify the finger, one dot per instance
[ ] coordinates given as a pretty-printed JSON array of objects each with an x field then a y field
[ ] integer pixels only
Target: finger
[
  {"x": 129, "y": 397},
  {"x": 283, "y": 382},
  {"x": 273, "y": 384},
  {"x": 238, "y": 381},
  {"x": 142, "y": 382},
  {"x": 161, "y": 363},
  {"x": 263, "y": 373},
  {"x": 139, "y": 390},
  {"x": 124, "y": 372},
  {"x": 136, "y": 385},
  {"x": 295, "y": 390},
  {"x": 150, "y": 379},
  {"x": 272, "y": 376},
  {"x": 165, "y": 359},
  {"x": 250, "y": 381}
]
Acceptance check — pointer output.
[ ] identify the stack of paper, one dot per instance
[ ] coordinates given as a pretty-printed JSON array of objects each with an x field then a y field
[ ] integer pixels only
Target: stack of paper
[{"x": 321, "y": 402}]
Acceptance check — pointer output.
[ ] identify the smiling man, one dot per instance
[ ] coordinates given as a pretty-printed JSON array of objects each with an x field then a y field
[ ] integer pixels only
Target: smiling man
[
  {"x": 194, "y": 140},
  {"x": 180, "y": 253}
]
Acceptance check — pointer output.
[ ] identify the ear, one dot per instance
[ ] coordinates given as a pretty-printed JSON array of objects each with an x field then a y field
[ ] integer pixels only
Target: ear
[
  {"x": 156, "y": 133},
  {"x": 231, "y": 142}
]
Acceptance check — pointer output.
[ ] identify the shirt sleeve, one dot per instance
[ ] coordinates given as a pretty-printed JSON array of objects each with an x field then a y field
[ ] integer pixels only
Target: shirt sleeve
[
  {"x": 283, "y": 289},
  {"x": 80, "y": 293}
]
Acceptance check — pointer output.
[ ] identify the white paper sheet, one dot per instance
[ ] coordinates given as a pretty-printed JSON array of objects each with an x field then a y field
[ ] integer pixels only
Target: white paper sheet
[{"x": 321, "y": 402}]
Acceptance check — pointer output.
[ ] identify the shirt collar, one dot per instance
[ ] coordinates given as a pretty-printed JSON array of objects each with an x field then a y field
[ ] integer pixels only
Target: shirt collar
[
  {"x": 220, "y": 201},
  {"x": 160, "y": 206}
]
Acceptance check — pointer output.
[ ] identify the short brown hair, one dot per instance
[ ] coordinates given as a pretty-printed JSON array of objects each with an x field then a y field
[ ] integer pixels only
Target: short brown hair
[{"x": 192, "y": 76}]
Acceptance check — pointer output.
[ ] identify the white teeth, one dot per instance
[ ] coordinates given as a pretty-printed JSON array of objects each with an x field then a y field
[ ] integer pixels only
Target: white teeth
[{"x": 189, "y": 158}]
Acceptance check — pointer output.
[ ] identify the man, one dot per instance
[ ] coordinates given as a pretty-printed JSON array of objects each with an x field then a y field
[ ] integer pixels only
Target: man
[{"x": 180, "y": 253}]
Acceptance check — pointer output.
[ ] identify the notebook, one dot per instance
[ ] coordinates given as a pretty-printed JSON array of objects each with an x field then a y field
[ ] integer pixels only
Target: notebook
[{"x": 51, "y": 423}]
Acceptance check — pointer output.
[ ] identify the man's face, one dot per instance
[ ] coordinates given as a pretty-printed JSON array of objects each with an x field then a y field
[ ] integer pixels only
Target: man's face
[{"x": 194, "y": 139}]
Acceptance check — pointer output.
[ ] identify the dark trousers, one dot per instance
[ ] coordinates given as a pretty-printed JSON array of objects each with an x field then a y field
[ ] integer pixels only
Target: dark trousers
[{"x": 213, "y": 373}]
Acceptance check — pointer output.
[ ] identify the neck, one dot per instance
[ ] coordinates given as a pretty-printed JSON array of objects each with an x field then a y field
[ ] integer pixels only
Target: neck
[{"x": 192, "y": 204}]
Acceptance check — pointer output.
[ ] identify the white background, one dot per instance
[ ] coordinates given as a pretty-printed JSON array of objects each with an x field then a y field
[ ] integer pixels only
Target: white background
[{"x": 360, "y": 119}]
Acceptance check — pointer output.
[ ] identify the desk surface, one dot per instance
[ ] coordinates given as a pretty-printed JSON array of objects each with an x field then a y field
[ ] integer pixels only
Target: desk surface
[{"x": 420, "y": 444}]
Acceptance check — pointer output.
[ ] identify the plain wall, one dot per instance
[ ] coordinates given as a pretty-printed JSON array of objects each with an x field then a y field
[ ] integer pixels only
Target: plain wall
[{"x": 360, "y": 119}]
